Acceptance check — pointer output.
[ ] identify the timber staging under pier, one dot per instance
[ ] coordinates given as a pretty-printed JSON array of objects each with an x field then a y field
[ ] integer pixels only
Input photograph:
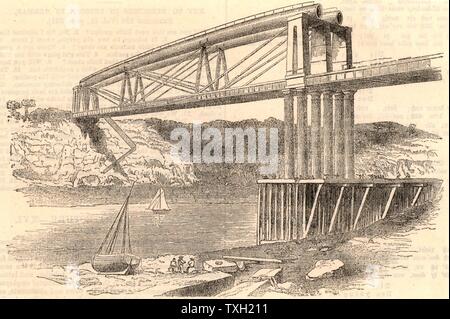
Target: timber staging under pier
[{"x": 290, "y": 209}]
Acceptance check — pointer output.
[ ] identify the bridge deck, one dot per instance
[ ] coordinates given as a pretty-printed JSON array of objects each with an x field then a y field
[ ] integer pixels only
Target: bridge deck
[
  {"x": 396, "y": 72},
  {"x": 388, "y": 182}
]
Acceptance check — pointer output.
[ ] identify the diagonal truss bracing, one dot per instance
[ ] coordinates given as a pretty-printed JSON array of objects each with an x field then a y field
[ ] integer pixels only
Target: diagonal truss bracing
[
  {"x": 125, "y": 138},
  {"x": 204, "y": 70}
]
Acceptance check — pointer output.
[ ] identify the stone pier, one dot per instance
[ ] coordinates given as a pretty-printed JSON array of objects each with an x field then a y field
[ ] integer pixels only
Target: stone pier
[{"x": 327, "y": 142}]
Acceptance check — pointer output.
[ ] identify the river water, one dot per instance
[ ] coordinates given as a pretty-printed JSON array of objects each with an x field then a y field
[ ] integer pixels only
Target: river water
[
  {"x": 412, "y": 260},
  {"x": 72, "y": 235}
]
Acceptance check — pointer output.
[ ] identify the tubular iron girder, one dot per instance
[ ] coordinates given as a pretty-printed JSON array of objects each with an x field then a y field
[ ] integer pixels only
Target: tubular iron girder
[
  {"x": 220, "y": 35},
  {"x": 257, "y": 37}
]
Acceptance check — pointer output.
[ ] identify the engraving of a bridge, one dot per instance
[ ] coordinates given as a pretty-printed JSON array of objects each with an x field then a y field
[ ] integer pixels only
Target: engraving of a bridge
[{"x": 308, "y": 43}]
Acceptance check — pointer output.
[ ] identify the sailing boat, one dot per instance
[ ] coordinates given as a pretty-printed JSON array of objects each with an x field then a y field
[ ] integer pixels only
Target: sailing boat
[
  {"x": 114, "y": 254},
  {"x": 159, "y": 205}
]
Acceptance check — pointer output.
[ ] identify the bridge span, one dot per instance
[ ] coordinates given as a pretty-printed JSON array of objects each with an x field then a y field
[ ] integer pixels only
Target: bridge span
[
  {"x": 395, "y": 72},
  {"x": 288, "y": 53}
]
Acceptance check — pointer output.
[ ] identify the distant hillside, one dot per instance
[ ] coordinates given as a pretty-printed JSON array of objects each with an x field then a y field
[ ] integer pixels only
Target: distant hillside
[
  {"x": 383, "y": 149},
  {"x": 383, "y": 133},
  {"x": 50, "y": 149},
  {"x": 366, "y": 134}
]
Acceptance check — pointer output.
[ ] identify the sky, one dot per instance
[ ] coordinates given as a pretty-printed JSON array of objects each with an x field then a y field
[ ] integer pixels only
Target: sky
[{"x": 44, "y": 53}]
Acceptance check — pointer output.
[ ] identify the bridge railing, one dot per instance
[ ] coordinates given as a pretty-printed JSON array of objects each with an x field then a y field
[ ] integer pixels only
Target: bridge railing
[
  {"x": 254, "y": 88},
  {"x": 377, "y": 69},
  {"x": 427, "y": 62}
]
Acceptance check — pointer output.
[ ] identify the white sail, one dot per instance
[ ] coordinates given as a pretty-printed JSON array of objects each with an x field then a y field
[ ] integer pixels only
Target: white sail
[
  {"x": 117, "y": 239},
  {"x": 159, "y": 202},
  {"x": 163, "y": 203},
  {"x": 154, "y": 204}
]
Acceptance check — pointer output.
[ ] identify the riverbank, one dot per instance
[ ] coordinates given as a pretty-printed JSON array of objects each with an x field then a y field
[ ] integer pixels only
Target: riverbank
[
  {"x": 368, "y": 256},
  {"x": 362, "y": 252}
]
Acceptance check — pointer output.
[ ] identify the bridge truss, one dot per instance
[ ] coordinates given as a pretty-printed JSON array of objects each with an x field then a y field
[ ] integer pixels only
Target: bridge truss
[{"x": 290, "y": 52}]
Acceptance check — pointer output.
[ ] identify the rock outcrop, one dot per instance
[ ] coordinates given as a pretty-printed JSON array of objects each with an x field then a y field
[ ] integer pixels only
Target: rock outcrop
[
  {"x": 58, "y": 154},
  {"x": 325, "y": 269}
]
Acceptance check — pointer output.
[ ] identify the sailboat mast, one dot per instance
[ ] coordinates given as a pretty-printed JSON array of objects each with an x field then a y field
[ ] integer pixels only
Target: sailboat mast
[
  {"x": 115, "y": 226},
  {"x": 124, "y": 234},
  {"x": 112, "y": 244},
  {"x": 128, "y": 234},
  {"x": 116, "y": 222},
  {"x": 154, "y": 201},
  {"x": 126, "y": 228}
]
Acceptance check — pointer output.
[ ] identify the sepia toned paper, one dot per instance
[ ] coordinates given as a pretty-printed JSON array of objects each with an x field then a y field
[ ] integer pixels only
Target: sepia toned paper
[{"x": 353, "y": 203}]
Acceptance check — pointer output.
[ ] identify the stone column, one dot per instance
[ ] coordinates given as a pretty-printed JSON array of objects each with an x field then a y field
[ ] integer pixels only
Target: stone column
[
  {"x": 339, "y": 159},
  {"x": 289, "y": 162},
  {"x": 86, "y": 97},
  {"x": 95, "y": 101},
  {"x": 328, "y": 133},
  {"x": 316, "y": 151},
  {"x": 305, "y": 44},
  {"x": 328, "y": 48},
  {"x": 348, "y": 48},
  {"x": 297, "y": 55},
  {"x": 349, "y": 133},
  {"x": 76, "y": 100},
  {"x": 302, "y": 127}
]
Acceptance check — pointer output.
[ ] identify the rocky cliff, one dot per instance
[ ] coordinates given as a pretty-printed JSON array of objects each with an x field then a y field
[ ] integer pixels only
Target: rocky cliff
[
  {"x": 58, "y": 154},
  {"x": 53, "y": 151}
]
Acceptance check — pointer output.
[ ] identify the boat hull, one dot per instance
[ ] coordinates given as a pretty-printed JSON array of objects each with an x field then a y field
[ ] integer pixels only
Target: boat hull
[
  {"x": 119, "y": 263},
  {"x": 160, "y": 211}
]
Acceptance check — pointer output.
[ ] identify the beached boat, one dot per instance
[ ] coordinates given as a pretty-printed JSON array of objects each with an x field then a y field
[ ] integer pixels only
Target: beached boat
[
  {"x": 159, "y": 205},
  {"x": 115, "y": 254}
]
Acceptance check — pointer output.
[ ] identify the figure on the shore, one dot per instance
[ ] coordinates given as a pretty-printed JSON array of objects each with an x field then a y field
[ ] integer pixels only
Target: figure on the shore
[
  {"x": 181, "y": 262},
  {"x": 190, "y": 265},
  {"x": 173, "y": 265}
]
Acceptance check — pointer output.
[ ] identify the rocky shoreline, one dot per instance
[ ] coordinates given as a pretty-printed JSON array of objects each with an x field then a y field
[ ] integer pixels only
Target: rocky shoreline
[{"x": 314, "y": 266}]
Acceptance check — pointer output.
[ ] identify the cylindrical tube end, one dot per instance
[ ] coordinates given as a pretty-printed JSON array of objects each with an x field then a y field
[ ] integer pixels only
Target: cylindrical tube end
[
  {"x": 319, "y": 11},
  {"x": 333, "y": 16}
]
